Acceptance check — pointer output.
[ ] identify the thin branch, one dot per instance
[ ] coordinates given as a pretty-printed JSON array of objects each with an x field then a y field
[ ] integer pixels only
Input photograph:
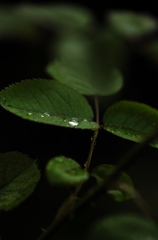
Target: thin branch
[
  {"x": 69, "y": 204},
  {"x": 87, "y": 164},
  {"x": 96, "y": 108}
]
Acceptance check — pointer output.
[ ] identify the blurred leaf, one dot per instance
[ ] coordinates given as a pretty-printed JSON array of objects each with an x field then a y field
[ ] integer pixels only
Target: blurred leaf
[
  {"x": 131, "y": 120},
  {"x": 62, "y": 17},
  {"x": 89, "y": 64},
  {"x": 123, "y": 227},
  {"x": 130, "y": 24},
  {"x": 13, "y": 26},
  {"x": 18, "y": 178},
  {"x": 102, "y": 172},
  {"x": 65, "y": 172},
  {"x": 48, "y": 102}
]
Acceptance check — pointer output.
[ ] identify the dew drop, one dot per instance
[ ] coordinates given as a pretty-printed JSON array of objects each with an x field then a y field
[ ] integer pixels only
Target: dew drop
[
  {"x": 73, "y": 123},
  {"x": 42, "y": 115},
  {"x": 30, "y": 113},
  {"x": 47, "y": 114}
]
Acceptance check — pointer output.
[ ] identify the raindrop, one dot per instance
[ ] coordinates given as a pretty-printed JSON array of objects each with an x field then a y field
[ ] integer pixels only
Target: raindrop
[
  {"x": 47, "y": 114},
  {"x": 42, "y": 115},
  {"x": 73, "y": 122},
  {"x": 30, "y": 113}
]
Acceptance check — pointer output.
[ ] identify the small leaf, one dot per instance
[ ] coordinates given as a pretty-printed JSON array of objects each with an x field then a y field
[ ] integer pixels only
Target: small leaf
[
  {"x": 130, "y": 24},
  {"x": 18, "y": 178},
  {"x": 48, "y": 102},
  {"x": 64, "y": 171},
  {"x": 102, "y": 172},
  {"x": 123, "y": 227},
  {"x": 131, "y": 120},
  {"x": 89, "y": 64},
  {"x": 62, "y": 17}
]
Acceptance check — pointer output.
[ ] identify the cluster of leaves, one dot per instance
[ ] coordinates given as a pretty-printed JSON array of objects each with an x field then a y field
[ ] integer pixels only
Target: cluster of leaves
[{"x": 88, "y": 61}]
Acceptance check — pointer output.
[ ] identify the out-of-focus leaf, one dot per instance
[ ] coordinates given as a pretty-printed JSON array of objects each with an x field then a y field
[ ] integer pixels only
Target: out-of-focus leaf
[
  {"x": 13, "y": 26},
  {"x": 130, "y": 24},
  {"x": 102, "y": 172},
  {"x": 131, "y": 120},
  {"x": 123, "y": 227},
  {"x": 89, "y": 64},
  {"x": 62, "y": 17}
]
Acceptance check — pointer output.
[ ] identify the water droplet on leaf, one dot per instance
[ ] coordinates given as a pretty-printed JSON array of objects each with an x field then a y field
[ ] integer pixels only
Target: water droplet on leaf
[
  {"x": 42, "y": 115},
  {"x": 73, "y": 122},
  {"x": 47, "y": 114}
]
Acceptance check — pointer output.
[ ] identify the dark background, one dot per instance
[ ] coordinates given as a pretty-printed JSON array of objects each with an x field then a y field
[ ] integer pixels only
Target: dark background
[{"x": 20, "y": 60}]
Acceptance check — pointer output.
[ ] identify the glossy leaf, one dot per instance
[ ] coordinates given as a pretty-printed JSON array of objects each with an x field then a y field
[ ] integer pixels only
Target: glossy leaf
[
  {"x": 89, "y": 64},
  {"x": 65, "y": 172},
  {"x": 130, "y": 24},
  {"x": 102, "y": 172},
  {"x": 131, "y": 120},
  {"x": 62, "y": 17},
  {"x": 123, "y": 227},
  {"x": 48, "y": 102},
  {"x": 18, "y": 178}
]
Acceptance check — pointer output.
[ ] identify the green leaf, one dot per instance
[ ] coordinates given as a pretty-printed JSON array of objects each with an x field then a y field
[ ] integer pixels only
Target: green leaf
[
  {"x": 102, "y": 172},
  {"x": 48, "y": 102},
  {"x": 65, "y": 171},
  {"x": 130, "y": 24},
  {"x": 123, "y": 227},
  {"x": 62, "y": 17},
  {"x": 89, "y": 64},
  {"x": 131, "y": 120},
  {"x": 18, "y": 178},
  {"x": 14, "y": 26}
]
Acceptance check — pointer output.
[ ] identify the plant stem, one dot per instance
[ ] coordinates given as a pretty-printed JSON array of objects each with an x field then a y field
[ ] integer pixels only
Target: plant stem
[
  {"x": 70, "y": 203},
  {"x": 96, "y": 191},
  {"x": 87, "y": 164},
  {"x": 96, "y": 108}
]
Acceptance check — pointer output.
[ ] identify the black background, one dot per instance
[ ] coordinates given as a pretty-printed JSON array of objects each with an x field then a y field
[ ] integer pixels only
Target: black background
[{"x": 18, "y": 61}]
